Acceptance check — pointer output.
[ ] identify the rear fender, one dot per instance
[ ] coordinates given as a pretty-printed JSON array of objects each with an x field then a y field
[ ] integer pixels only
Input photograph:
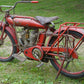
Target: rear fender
[
  {"x": 81, "y": 31},
  {"x": 76, "y": 32}
]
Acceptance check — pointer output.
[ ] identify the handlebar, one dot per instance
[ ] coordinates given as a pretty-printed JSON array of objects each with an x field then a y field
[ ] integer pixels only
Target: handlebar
[{"x": 12, "y": 7}]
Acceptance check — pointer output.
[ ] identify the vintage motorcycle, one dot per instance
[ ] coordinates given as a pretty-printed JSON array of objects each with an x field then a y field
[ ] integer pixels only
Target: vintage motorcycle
[{"x": 64, "y": 48}]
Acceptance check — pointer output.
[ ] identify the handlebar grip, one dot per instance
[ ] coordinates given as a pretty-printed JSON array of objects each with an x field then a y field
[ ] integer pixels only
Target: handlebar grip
[{"x": 34, "y": 1}]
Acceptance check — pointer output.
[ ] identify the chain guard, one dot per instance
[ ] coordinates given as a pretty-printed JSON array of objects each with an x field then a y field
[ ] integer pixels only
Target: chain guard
[{"x": 33, "y": 52}]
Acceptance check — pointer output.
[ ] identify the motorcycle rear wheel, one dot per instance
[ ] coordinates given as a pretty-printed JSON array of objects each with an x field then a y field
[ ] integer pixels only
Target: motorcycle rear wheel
[
  {"x": 75, "y": 67},
  {"x": 7, "y": 47}
]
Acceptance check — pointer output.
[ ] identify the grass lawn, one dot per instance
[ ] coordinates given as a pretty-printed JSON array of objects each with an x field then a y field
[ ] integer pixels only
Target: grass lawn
[{"x": 16, "y": 72}]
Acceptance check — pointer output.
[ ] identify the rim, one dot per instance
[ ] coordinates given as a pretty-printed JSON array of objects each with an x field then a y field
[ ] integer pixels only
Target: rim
[{"x": 6, "y": 49}]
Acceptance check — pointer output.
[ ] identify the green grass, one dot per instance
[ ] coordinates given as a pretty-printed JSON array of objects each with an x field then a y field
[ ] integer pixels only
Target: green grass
[
  {"x": 16, "y": 72},
  {"x": 68, "y": 10}
]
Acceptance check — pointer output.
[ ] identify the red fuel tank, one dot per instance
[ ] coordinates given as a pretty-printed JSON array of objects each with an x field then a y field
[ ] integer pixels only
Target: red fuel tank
[{"x": 24, "y": 21}]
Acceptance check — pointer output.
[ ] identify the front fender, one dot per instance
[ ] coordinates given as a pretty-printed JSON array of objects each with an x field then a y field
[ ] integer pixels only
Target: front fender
[
  {"x": 12, "y": 31},
  {"x": 13, "y": 34}
]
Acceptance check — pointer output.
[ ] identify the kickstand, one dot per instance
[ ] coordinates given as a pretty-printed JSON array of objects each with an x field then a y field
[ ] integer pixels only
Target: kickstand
[{"x": 60, "y": 69}]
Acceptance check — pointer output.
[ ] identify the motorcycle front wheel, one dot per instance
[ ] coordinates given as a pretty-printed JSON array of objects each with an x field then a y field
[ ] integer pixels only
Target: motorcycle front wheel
[
  {"x": 7, "y": 47},
  {"x": 73, "y": 68}
]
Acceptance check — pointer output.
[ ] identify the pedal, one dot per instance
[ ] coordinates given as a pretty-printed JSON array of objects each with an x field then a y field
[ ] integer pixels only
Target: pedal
[
  {"x": 40, "y": 64},
  {"x": 18, "y": 57}
]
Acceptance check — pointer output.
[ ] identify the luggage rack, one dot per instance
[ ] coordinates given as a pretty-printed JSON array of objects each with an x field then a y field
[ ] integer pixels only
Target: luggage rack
[{"x": 72, "y": 25}]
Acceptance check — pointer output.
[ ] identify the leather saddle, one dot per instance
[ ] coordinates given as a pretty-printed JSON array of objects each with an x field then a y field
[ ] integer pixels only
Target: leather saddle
[{"x": 45, "y": 20}]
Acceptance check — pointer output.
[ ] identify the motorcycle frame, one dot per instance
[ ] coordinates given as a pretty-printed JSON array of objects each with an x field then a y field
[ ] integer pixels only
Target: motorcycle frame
[
  {"x": 64, "y": 28},
  {"x": 42, "y": 36},
  {"x": 51, "y": 48}
]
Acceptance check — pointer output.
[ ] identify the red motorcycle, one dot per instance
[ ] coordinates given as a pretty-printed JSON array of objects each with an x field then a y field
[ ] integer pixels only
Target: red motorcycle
[{"x": 28, "y": 35}]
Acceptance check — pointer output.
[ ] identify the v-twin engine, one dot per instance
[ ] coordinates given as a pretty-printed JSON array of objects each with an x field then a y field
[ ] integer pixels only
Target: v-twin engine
[{"x": 28, "y": 37}]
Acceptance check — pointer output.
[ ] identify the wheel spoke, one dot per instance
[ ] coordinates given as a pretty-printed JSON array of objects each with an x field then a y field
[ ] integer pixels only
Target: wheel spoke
[{"x": 66, "y": 64}]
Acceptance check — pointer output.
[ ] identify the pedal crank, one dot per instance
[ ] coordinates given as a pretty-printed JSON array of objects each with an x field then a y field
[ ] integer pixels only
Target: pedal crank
[{"x": 41, "y": 63}]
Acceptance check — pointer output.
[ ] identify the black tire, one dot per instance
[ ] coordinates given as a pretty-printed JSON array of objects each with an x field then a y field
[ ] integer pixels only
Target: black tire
[
  {"x": 56, "y": 64},
  {"x": 6, "y": 48}
]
